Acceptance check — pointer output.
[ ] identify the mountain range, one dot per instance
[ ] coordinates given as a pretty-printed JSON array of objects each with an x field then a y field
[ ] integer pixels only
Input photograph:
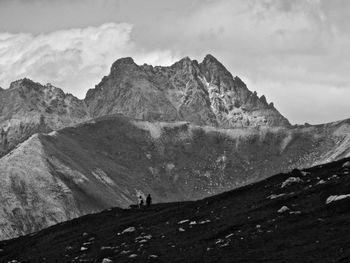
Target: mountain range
[
  {"x": 182, "y": 132},
  {"x": 202, "y": 93}
]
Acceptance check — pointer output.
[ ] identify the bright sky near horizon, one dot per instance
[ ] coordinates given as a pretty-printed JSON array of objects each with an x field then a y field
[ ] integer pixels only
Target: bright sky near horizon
[{"x": 293, "y": 52}]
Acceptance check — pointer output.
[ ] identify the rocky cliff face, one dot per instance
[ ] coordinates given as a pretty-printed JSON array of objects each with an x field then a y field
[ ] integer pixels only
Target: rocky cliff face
[
  {"x": 28, "y": 107},
  {"x": 202, "y": 93}
]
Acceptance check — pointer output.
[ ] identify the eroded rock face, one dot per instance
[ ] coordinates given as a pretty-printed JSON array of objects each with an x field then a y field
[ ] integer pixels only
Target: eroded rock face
[{"x": 203, "y": 93}]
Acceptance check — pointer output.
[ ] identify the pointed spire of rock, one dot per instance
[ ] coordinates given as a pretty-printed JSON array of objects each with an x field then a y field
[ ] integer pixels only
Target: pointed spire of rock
[{"x": 210, "y": 58}]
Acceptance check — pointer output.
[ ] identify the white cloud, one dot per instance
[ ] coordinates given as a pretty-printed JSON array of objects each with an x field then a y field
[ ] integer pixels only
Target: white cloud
[{"x": 74, "y": 59}]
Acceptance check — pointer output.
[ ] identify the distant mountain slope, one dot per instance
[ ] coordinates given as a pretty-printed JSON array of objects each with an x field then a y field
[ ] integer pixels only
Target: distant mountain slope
[
  {"x": 301, "y": 216},
  {"x": 109, "y": 161},
  {"x": 202, "y": 93}
]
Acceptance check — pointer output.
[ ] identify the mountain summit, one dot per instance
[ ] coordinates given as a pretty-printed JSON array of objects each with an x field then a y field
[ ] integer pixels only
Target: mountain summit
[{"x": 203, "y": 93}]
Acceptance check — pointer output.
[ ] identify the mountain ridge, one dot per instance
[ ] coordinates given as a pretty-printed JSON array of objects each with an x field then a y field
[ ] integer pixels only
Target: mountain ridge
[
  {"x": 111, "y": 160},
  {"x": 179, "y": 92}
]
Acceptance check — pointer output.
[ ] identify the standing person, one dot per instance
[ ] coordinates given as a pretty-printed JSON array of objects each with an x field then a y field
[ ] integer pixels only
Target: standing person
[
  {"x": 141, "y": 202},
  {"x": 148, "y": 200}
]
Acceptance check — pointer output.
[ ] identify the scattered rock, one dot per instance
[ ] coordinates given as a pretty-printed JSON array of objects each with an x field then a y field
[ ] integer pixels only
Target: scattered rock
[
  {"x": 183, "y": 221},
  {"x": 107, "y": 260},
  {"x": 283, "y": 209},
  {"x": 133, "y": 256},
  {"x": 334, "y": 176},
  {"x": 181, "y": 229},
  {"x": 219, "y": 241},
  {"x": 273, "y": 196},
  {"x": 225, "y": 244},
  {"x": 346, "y": 164},
  {"x": 83, "y": 248},
  {"x": 295, "y": 212},
  {"x": 129, "y": 230},
  {"x": 204, "y": 222},
  {"x": 291, "y": 180},
  {"x": 321, "y": 182},
  {"x": 152, "y": 256},
  {"x": 333, "y": 198}
]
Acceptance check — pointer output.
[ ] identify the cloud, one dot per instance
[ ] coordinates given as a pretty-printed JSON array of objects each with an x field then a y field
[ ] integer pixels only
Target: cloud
[
  {"x": 73, "y": 59},
  {"x": 295, "y": 52},
  {"x": 278, "y": 47}
]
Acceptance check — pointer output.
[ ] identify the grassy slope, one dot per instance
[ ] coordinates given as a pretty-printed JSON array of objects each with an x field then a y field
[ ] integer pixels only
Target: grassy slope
[{"x": 258, "y": 232}]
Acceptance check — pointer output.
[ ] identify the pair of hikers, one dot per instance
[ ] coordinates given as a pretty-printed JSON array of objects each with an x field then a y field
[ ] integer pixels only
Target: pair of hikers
[{"x": 148, "y": 201}]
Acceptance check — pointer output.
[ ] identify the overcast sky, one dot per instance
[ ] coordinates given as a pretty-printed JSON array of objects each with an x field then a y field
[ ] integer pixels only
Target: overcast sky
[{"x": 294, "y": 52}]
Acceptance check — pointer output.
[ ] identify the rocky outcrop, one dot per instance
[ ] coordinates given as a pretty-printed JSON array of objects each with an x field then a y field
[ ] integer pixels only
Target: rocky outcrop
[{"x": 202, "y": 93}]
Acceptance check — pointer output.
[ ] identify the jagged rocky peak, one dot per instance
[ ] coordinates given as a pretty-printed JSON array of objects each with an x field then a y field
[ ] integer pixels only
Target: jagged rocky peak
[
  {"x": 31, "y": 92},
  {"x": 25, "y": 83},
  {"x": 204, "y": 93},
  {"x": 28, "y": 107},
  {"x": 27, "y": 87}
]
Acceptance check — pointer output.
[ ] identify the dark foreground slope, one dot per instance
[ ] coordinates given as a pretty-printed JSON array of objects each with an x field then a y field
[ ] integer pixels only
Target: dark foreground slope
[{"x": 243, "y": 225}]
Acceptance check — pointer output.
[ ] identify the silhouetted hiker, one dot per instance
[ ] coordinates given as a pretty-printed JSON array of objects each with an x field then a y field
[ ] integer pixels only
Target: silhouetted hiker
[
  {"x": 141, "y": 202},
  {"x": 148, "y": 200}
]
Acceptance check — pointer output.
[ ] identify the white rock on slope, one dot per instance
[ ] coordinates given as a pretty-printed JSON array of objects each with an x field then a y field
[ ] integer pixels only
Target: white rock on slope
[{"x": 333, "y": 198}]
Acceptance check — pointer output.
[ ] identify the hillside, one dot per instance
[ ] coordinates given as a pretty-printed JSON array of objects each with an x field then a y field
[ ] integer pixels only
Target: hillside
[
  {"x": 301, "y": 216},
  {"x": 107, "y": 162}
]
